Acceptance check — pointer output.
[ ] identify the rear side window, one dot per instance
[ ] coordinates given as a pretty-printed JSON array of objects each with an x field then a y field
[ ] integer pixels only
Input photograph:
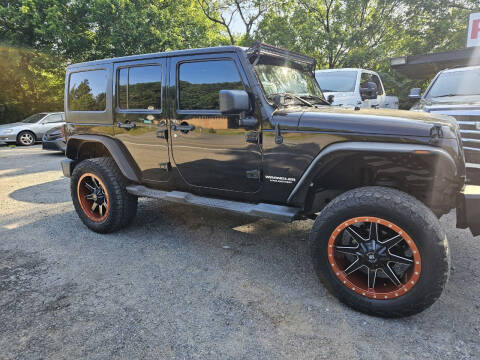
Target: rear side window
[
  {"x": 87, "y": 91},
  {"x": 140, "y": 88},
  {"x": 54, "y": 118},
  {"x": 200, "y": 83}
]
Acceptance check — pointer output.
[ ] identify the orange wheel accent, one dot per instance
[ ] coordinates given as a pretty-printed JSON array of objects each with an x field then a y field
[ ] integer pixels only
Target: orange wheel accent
[
  {"x": 355, "y": 265},
  {"x": 93, "y": 197}
]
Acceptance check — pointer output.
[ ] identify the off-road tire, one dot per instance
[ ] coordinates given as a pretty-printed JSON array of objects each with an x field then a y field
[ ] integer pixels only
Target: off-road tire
[
  {"x": 407, "y": 213},
  {"x": 122, "y": 206},
  {"x": 27, "y": 134}
]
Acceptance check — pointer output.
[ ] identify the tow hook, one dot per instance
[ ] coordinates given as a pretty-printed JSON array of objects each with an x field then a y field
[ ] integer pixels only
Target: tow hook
[{"x": 436, "y": 132}]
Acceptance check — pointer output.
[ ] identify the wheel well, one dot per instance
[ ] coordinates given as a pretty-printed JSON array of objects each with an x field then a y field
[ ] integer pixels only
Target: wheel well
[
  {"x": 89, "y": 150},
  {"x": 27, "y": 131},
  {"x": 93, "y": 146},
  {"x": 424, "y": 178}
]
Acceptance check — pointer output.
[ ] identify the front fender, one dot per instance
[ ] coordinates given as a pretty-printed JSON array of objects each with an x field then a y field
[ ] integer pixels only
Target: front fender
[{"x": 410, "y": 163}]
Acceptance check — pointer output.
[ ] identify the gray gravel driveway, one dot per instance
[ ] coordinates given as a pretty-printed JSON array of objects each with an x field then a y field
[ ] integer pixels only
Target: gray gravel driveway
[{"x": 189, "y": 283}]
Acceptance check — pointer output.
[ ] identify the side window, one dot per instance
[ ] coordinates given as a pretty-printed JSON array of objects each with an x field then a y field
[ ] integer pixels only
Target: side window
[
  {"x": 140, "y": 88},
  {"x": 54, "y": 118},
  {"x": 364, "y": 79},
  {"x": 200, "y": 82},
  {"x": 376, "y": 80},
  {"x": 87, "y": 91}
]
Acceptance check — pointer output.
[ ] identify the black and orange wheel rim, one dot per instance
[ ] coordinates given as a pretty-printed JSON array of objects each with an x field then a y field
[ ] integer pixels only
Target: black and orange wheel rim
[
  {"x": 93, "y": 197},
  {"x": 374, "y": 258}
]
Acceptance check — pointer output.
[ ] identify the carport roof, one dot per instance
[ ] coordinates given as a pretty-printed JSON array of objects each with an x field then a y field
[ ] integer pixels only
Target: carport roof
[{"x": 427, "y": 65}]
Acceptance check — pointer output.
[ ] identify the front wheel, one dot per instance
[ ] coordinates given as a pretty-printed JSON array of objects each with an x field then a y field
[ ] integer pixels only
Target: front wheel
[
  {"x": 99, "y": 195},
  {"x": 26, "y": 138},
  {"x": 380, "y": 251}
]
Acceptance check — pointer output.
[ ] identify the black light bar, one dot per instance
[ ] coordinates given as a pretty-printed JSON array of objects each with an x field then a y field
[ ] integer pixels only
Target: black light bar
[{"x": 260, "y": 49}]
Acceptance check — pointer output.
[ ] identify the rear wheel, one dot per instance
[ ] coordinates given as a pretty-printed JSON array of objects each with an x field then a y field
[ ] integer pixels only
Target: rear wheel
[
  {"x": 380, "y": 251},
  {"x": 99, "y": 195},
  {"x": 26, "y": 138}
]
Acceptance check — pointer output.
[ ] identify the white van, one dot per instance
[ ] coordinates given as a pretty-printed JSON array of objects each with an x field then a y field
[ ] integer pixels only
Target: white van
[{"x": 350, "y": 87}]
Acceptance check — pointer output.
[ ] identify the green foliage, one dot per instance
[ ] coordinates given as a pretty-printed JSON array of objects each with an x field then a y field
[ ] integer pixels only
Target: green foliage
[
  {"x": 30, "y": 82},
  {"x": 40, "y": 37},
  {"x": 367, "y": 33}
]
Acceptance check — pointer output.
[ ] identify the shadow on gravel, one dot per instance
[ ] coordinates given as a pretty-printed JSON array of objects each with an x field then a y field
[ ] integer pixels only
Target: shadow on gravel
[
  {"x": 52, "y": 192},
  {"x": 233, "y": 284}
]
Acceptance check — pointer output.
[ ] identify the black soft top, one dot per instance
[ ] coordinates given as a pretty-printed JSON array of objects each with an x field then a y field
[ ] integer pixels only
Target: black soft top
[{"x": 199, "y": 51}]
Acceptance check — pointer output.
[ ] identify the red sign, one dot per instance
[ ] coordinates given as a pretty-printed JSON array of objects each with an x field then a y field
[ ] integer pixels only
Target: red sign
[{"x": 473, "y": 38}]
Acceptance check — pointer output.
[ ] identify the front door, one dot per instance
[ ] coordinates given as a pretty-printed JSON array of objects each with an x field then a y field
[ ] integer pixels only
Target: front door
[
  {"x": 140, "y": 121},
  {"x": 49, "y": 122},
  {"x": 209, "y": 149}
]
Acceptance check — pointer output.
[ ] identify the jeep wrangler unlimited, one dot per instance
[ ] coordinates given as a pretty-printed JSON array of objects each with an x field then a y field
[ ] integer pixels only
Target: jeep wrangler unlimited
[{"x": 248, "y": 130}]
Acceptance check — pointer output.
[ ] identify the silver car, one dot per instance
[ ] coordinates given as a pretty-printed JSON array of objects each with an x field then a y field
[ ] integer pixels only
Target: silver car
[{"x": 31, "y": 129}]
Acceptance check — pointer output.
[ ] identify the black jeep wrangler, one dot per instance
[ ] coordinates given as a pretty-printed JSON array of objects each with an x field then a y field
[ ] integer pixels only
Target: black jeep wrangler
[{"x": 248, "y": 130}]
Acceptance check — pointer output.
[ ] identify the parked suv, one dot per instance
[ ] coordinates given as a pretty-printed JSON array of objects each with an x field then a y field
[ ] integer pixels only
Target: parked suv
[
  {"x": 455, "y": 92},
  {"x": 248, "y": 130}
]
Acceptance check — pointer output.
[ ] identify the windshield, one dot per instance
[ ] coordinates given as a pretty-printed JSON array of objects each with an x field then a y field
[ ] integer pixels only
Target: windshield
[
  {"x": 336, "y": 81},
  {"x": 456, "y": 83},
  {"x": 277, "y": 79},
  {"x": 33, "y": 118}
]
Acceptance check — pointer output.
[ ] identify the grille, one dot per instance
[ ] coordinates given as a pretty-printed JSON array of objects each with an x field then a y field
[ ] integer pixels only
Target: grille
[{"x": 470, "y": 132}]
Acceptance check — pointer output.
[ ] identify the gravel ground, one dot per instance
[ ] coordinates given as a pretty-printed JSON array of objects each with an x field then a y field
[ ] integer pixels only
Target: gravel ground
[{"x": 187, "y": 283}]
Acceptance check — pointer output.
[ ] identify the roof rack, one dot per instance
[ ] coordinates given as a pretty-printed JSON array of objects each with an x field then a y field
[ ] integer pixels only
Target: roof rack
[{"x": 258, "y": 49}]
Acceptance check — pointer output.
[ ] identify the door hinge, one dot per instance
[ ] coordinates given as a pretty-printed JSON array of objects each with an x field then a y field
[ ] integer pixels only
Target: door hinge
[
  {"x": 278, "y": 135},
  {"x": 253, "y": 174},
  {"x": 165, "y": 166},
  {"x": 436, "y": 132}
]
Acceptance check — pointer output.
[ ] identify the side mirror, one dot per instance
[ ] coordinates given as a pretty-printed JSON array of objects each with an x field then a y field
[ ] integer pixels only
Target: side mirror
[
  {"x": 415, "y": 93},
  {"x": 331, "y": 99},
  {"x": 370, "y": 92},
  {"x": 234, "y": 101}
]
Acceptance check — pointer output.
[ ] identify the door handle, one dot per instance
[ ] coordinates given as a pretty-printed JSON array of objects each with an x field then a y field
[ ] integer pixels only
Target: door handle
[
  {"x": 127, "y": 125},
  {"x": 183, "y": 127}
]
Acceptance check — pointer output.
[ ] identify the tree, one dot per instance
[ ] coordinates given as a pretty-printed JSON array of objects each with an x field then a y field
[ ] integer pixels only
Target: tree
[
  {"x": 41, "y": 37},
  {"x": 223, "y": 12},
  {"x": 367, "y": 33}
]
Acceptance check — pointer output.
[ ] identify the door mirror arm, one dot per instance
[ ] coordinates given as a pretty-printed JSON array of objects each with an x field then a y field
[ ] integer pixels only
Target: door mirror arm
[{"x": 247, "y": 121}]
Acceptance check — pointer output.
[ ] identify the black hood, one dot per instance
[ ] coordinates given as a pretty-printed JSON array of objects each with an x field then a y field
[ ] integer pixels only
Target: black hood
[{"x": 365, "y": 121}]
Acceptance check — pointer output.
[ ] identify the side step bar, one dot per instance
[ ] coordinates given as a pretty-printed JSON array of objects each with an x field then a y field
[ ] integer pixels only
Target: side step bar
[{"x": 275, "y": 212}]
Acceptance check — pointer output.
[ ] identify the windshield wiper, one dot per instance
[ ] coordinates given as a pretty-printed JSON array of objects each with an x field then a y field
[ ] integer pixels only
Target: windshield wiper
[
  {"x": 293, "y": 96},
  {"x": 310, "y": 96}
]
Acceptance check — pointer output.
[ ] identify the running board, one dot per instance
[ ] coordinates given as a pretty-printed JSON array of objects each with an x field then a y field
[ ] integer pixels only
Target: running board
[{"x": 275, "y": 212}]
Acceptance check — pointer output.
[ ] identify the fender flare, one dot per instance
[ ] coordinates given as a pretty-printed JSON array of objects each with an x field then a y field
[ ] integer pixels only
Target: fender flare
[
  {"x": 117, "y": 150},
  {"x": 335, "y": 152}
]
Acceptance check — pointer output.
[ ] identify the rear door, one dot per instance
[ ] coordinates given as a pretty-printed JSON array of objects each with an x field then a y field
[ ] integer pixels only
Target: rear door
[
  {"x": 139, "y": 115},
  {"x": 209, "y": 149}
]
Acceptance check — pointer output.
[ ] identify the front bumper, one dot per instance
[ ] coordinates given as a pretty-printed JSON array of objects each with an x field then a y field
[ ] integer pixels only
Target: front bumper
[
  {"x": 468, "y": 209},
  {"x": 67, "y": 167},
  {"x": 8, "y": 138}
]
